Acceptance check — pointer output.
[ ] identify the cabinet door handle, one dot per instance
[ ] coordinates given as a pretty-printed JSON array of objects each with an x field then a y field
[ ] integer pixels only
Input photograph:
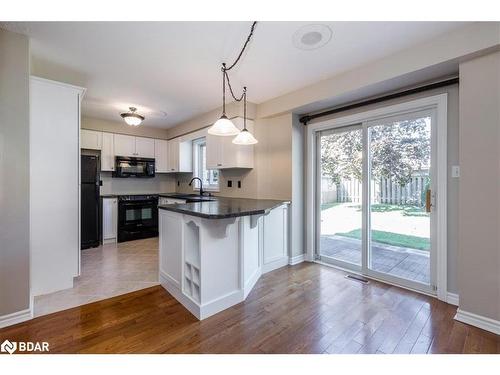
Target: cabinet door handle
[{"x": 219, "y": 164}]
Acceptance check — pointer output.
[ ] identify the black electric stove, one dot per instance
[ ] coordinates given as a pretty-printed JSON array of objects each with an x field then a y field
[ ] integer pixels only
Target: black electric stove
[{"x": 137, "y": 217}]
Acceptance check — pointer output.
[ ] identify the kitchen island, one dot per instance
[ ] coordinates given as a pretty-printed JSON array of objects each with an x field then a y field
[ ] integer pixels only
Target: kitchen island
[{"x": 212, "y": 252}]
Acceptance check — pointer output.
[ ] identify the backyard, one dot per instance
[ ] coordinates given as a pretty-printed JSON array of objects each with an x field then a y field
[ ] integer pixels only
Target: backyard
[{"x": 399, "y": 237}]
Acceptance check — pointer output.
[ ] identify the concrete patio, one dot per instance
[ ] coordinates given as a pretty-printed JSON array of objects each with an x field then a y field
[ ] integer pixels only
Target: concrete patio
[{"x": 402, "y": 262}]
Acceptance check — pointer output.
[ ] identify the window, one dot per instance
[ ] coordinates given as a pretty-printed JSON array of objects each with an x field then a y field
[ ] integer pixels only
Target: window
[{"x": 210, "y": 177}]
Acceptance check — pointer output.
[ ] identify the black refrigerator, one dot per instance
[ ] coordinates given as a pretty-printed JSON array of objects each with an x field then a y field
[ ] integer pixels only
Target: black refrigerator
[{"x": 90, "y": 204}]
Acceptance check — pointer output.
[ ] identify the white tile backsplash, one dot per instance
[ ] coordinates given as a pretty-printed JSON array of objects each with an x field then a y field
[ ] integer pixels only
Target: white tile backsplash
[{"x": 161, "y": 183}]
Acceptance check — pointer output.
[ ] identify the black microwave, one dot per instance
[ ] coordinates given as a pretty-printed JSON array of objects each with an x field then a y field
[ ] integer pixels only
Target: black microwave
[{"x": 134, "y": 167}]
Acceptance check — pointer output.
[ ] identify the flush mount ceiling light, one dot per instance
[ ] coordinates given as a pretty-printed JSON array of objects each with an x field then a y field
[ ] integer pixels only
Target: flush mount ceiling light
[
  {"x": 311, "y": 37},
  {"x": 224, "y": 126},
  {"x": 132, "y": 118}
]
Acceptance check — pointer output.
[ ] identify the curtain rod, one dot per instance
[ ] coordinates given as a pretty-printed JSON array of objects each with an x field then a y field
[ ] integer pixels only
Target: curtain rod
[{"x": 447, "y": 82}]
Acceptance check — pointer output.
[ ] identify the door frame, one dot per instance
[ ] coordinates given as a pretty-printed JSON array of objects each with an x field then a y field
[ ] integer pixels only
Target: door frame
[{"x": 435, "y": 102}]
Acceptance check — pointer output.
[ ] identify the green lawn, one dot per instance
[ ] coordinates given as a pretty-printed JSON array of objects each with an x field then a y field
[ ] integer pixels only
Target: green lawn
[
  {"x": 406, "y": 210},
  {"x": 395, "y": 239},
  {"x": 325, "y": 206}
]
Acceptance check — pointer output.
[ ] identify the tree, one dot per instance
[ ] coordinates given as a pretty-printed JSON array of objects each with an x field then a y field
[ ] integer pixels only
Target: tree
[{"x": 397, "y": 151}]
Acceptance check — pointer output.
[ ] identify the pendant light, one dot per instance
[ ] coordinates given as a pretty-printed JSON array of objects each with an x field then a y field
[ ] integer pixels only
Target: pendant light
[
  {"x": 245, "y": 137},
  {"x": 224, "y": 126},
  {"x": 132, "y": 118}
]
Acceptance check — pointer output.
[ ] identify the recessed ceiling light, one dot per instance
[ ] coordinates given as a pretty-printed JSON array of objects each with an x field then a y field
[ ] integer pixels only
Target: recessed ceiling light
[{"x": 311, "y": 37}]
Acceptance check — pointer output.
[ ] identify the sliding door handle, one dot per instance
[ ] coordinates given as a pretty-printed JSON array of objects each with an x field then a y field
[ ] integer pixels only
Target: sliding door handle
[{"x": 428, "y": 200}]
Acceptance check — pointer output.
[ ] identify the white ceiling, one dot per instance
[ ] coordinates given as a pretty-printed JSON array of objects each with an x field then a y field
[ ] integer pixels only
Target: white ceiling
[{"x": 174, "y": 67}]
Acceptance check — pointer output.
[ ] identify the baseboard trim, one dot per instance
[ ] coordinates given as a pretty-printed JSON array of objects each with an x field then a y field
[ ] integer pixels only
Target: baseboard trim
[
  {"x": 479, "y": 321},
  {"x": 296, "y": 259},
  {"x": 275, "y": 264},
  {"x": 452, "y": 298},
  {"x": 174, "y": 290},
  {"x": 250, "y": 283},
  {"x": 15, "y": 318}
]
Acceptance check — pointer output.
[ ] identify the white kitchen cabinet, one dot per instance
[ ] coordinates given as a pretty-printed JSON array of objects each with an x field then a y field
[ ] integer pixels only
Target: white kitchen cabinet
[
  {"x": 171, "y": 242},
  {"x": 124, "y": 145},
  {"x": 109, "y": 220},
  {"x": 275, "y": 239},
  {"x": 108, "y": 152},
  {"x": 54, "y": 185},
  {"x": 222, "y": 153},
  {"x": 144, "y": 147},
  {"x": 127, "y": 145},
  {"x": 180, "y": 155},
  {"x": 90, "y": 139},
  {"x": 161, "y": 155}
]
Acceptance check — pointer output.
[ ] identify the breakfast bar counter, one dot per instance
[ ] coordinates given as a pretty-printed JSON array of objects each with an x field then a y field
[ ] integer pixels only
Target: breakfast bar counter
[{"x": 214, "y": 251}]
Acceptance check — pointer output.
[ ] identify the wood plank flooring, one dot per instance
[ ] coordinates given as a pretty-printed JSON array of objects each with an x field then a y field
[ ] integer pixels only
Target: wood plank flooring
[{"x": 307, "y": 308}]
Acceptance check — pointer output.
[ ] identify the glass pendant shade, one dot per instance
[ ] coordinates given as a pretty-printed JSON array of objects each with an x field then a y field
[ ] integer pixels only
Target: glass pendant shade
[
  {"x": 132, "y": 118},
  {"x": 245, "y": 138},
  {"x": 132, "y": 121},
  {"x": 223, "y": 127}
]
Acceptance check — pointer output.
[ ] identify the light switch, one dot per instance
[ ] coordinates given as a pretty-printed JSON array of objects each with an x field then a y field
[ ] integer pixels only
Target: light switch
[{"x": 455, "y": 171}]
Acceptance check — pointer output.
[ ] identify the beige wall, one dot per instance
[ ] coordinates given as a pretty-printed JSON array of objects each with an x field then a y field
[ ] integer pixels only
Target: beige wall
[
  {"x": 121, "y": 127},
  {"x": 271, "y": 176},
  {"x": 479, "y": 194},
  {"x": 14, "y": 173},
  {"x": 233, "y": 109}
]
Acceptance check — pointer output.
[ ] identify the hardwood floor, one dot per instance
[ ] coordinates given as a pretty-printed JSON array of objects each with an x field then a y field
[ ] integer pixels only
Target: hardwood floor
[{"x": 308, "y": 308}]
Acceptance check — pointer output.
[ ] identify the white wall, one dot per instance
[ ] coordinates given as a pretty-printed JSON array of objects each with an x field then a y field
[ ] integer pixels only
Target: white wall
[
  {"x": 479, "y": 193},
  {"x": 14, "y": 173}
]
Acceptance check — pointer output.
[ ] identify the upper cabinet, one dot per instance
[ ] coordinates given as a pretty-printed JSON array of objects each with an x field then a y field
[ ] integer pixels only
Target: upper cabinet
[
  {"x": 126, "y": 145},
  {"x": 180, "y": 155},
  {"x": 222, "y": 153},
  {"x": 145, "y": 147},
  {"x": 108, "y": 152},
  {"x": 90, "y": 139},
  {"x": 161, "y": 155}
]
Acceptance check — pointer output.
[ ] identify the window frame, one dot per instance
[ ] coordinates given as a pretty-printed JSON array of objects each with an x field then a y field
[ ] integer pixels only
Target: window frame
[{"x": 197, "y": 162}]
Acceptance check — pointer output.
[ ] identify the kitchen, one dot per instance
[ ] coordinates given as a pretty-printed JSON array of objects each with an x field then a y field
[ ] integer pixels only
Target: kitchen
[
  {"x": 309, "y": 201},
  {"x": 129, "y": 179}
]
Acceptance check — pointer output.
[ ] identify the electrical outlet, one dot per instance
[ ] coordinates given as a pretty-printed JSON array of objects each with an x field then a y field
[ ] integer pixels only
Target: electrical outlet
[
  {"x": 178, "y": 183},
  {"x": 229, "y": 183},
  {"x": 455, "y": 171},
  {"x": 239, "y": 184}
]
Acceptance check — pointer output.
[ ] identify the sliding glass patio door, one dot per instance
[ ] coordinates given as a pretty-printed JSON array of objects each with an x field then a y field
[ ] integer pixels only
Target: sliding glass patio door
[
  {"x": 340, "y": 195},
  {"x": 375, "y": 191}
]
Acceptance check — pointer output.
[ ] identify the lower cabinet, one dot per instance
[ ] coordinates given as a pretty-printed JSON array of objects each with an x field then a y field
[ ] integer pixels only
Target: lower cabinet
[
  {"x": 109, "y": 220},
  {"x": 171, "y": 244},
  {"x": 275, "y": 239}
]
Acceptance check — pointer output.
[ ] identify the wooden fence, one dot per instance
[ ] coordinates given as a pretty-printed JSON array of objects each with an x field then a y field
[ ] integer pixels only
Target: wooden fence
[{"x": 385, "y": 190}]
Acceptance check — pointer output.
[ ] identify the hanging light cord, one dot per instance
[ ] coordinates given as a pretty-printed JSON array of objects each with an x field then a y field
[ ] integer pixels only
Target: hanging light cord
[
  {"x": 225, "y": 77},
  {"x": 244, "y": 46}
]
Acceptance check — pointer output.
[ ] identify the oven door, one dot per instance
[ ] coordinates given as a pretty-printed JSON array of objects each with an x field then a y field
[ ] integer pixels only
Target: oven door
[{"x": 137, "y": 220}]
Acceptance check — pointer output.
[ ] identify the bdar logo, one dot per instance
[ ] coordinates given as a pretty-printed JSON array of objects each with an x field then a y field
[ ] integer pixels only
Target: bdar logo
[{"x": 8, "y": 347}]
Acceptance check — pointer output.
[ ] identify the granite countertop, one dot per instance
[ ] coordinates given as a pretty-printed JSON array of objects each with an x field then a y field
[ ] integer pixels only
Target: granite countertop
[
  {"x": 223, "y": 208},
  {"x": 121, "y": 194}
]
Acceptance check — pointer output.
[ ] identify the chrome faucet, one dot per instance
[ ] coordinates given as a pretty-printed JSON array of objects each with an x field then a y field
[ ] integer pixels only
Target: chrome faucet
[{"x": 201, "y": 184}]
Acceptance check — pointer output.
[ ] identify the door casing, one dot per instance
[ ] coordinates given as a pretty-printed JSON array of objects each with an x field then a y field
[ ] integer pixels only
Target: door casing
[{"x": 437, "y": 106}]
